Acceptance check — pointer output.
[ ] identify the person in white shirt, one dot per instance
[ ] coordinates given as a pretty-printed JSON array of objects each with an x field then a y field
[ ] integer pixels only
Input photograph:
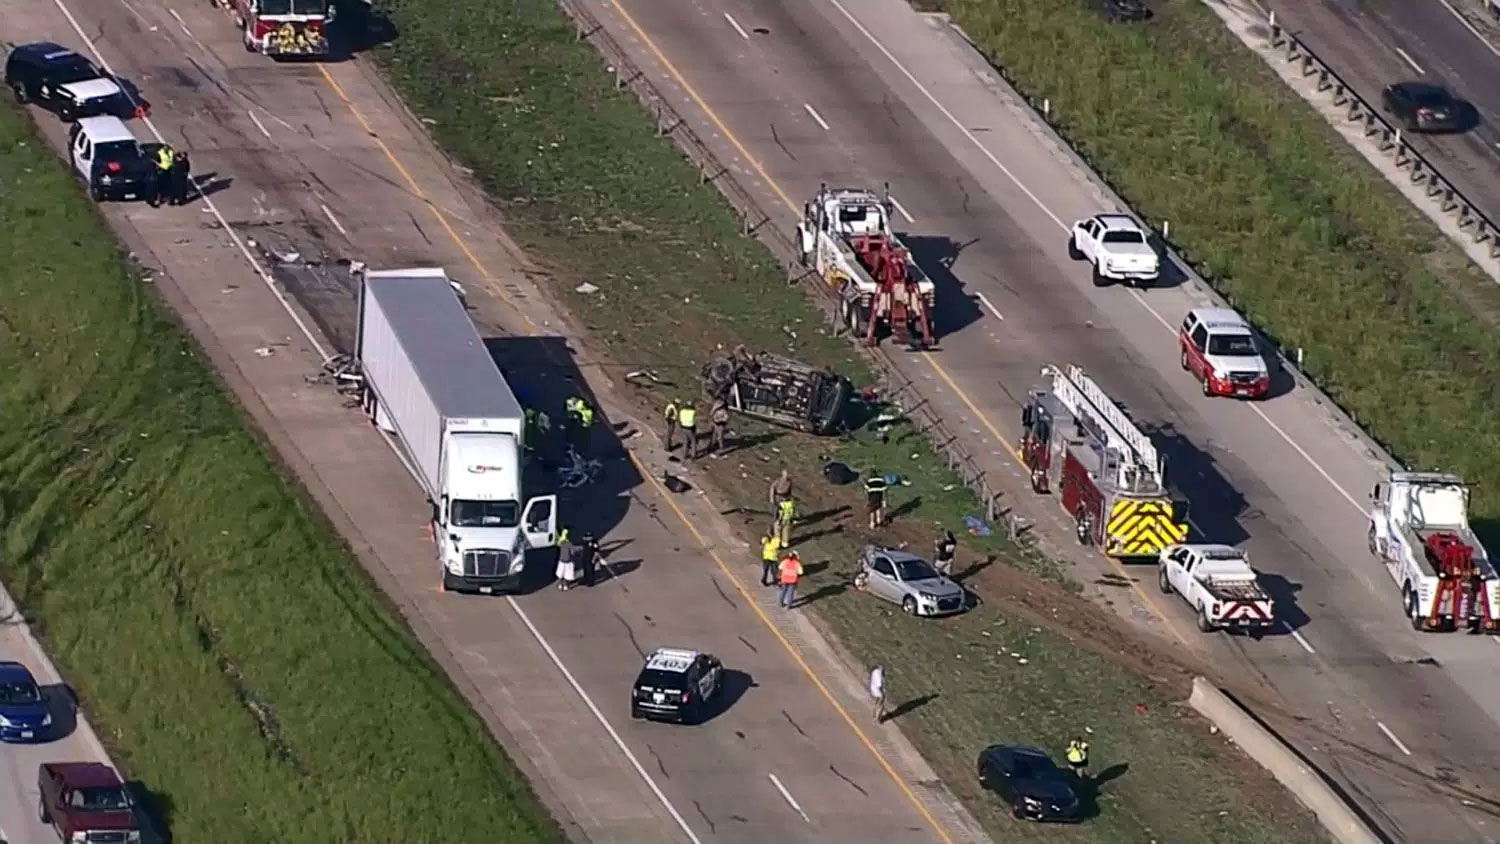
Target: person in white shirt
[{"x": 877, "y": 692}]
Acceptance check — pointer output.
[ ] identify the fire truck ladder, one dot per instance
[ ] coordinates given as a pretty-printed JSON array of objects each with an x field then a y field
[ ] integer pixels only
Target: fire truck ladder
[
  {"x": 1082, "y": 396},
  {"x": 1138, "y": 524},
  {"x": 1460, "y": 582}
]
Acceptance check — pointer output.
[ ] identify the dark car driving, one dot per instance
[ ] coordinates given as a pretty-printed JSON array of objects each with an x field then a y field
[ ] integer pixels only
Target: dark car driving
[
  {"x": 1423, "y": 107},
  {"x": 23, "y": 709},
  {"x": 63, "y": 81},
  {"x": 676, "y": 684},
  {"x": 1028, "y": 780}
]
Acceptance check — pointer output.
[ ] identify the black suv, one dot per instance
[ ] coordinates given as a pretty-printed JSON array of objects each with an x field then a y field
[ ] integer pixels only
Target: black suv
[
  {"x": 63, "y": 81},
  {"x": 676, "y": 684}
]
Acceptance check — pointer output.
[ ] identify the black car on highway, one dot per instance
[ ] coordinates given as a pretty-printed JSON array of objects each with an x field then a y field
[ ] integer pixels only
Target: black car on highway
[
  {"x": 63, "y": 81},
  {"x": 676, "y": 684},
  {"x": 1027, "y": 779},
  {"x": 1423, "y": 107}
]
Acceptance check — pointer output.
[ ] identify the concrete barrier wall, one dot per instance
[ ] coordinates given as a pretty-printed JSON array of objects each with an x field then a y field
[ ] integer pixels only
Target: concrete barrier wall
[{"x": 1260, "y": 744}]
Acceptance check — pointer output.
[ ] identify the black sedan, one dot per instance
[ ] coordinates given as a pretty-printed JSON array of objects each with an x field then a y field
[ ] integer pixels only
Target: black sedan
[
  {"x": 1423, "y": 107},
  {"x": 1029, "y": 781}
]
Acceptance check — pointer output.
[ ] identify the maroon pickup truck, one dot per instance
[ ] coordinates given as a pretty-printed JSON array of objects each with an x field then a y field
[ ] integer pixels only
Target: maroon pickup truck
[{"x": 86, "y": 803}]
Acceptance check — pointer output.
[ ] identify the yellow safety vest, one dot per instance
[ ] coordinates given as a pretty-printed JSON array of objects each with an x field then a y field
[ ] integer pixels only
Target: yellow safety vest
[
  {"x": 770, "y": 549},
  {"x": 788, "y": 509},
  {"x": 164, "y": 158},
  {"x": 562, "y": 537},
  {"x": 670, "y": 414},
  {"x": 1078, "y": 753},
  {"x": 687, "y": 417},
  {"x": 586, "y": 415}
]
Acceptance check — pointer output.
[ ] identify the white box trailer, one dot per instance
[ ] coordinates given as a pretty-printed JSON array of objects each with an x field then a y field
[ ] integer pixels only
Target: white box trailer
[{"x": 430, "y": 382}]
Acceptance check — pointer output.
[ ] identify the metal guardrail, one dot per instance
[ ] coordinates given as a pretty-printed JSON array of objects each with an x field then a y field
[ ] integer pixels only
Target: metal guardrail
[
  {"x": 898, "y": 390},
  {"x": 1439, "y": 190}
]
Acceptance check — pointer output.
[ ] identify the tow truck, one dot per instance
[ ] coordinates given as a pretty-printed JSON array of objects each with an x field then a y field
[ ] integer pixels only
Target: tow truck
[
  {"x": 779, "y": 390},
  {"x": 1419, "y": 527},
  {"x": 1217, "y": 582},
  {"x": 1111, "y": 479},
  {"x": 846, "y": 236},
  {"x": 282, "y": 28}
]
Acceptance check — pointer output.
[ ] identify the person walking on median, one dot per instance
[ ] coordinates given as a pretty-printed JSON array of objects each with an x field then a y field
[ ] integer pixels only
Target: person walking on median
[
  {"x": 943, "y": 559},
  {"x": 687, "y": 420},
  {"x": 791, "y": 571},
  {"x": 770, "y": 555},
  {"x": 670, "y": 415},
  {"x": 786, "y": 514},
  {"x": 875, "y": 498},
  {"x": 718, "y": 417},
  {"x": 1078, "y": 757},
  {"x": 877, "y": 692}
]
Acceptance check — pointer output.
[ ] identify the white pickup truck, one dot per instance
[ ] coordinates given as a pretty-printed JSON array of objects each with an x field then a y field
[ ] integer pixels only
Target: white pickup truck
[
  {"x": 1218, "y": 582},
  {"x": 1118, "y": 248}
]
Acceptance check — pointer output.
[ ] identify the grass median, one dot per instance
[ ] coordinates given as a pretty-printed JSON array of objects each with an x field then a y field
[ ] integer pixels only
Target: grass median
[
  {"x": 1287, "y": 219},
  {"x": 588, "y": 188},
  {"x": 227, "y": 647}
]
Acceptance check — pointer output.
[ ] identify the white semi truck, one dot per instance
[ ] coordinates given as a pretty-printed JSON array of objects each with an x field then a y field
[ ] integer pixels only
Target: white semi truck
[{"x": 430, "y": 382}]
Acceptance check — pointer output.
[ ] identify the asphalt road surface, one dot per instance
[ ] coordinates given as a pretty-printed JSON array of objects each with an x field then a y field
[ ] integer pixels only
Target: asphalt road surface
[
  {"x": 1374, "y": 43},
  {"x": 314, "y": 166},
  {"x": 72, "y": 740},
  {"x": 792, "y": 93}
]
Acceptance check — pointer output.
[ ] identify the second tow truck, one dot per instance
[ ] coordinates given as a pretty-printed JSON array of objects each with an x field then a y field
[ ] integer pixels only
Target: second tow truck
[
  {"x": 1111, "y": 479},
  {"x": 846, "y": 236}
]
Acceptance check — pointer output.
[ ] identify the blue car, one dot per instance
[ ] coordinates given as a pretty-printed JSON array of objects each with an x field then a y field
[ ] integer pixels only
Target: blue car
[{"x": 23, "y": 710}]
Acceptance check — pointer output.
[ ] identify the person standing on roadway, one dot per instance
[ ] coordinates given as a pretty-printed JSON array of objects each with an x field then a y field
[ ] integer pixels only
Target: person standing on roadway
[
  {"x": 687, "y": 420},
  {"x": 670, "y": 415},
  {"x": 161, "y": 176},
  {"x": 791, "y": 571},
  {"x": 718, "y": 417},
  {"x": 770, "y": 554},
  {"x": 588, "y": 557},
  {"x": 877, "y": 692},
  {"x": 580, "y": 423},
  {"x": 786, "y": 514},
  {"x": 875, "y": 498},
  {"x": 567, "y": 568},
  {"x": 1078, "y": 757},
  {"x": 943, "y": 559},
  {"x": 179, "y": 178}
]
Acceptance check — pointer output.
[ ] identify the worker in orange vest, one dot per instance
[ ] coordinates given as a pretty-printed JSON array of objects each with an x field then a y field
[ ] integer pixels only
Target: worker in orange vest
[{"x": 790, "y": 571}]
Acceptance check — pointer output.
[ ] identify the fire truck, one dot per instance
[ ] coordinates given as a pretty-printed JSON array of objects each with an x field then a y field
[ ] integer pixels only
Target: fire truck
[
  {"x": 1112, "y": 481},
  {"x": 1419, "y": 527},
  {"x": 282, "y": 28},
  {"x": 845, "y": 234}
]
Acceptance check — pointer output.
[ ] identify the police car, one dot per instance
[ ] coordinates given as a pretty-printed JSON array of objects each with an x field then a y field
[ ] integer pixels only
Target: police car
[
  {"x": 676, "y": 684},
  {"x": 109, "y": 159},
  {"x": 59, "y": 79}
]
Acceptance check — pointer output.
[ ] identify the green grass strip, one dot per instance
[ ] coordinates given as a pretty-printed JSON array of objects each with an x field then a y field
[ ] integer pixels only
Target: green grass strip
[{"x": 230, "y": 651}]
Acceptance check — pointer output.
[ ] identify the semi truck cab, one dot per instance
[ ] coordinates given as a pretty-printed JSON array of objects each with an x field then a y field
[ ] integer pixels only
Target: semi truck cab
[{"x": 482, "y": 528}]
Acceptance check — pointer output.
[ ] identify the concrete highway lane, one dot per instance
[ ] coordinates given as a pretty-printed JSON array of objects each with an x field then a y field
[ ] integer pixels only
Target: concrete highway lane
[
  {"x": 1373, "y": 43},
  {"x": 316, "y": 166},
  {"x": 797, "y": 93}
]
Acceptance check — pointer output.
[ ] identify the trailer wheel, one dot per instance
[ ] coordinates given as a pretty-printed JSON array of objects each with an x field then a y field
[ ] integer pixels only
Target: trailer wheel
[
  {"x": 1161, "y": 580},
  {"x": 1084, "y": 528},
  {"x": 1204, "y": 624}
]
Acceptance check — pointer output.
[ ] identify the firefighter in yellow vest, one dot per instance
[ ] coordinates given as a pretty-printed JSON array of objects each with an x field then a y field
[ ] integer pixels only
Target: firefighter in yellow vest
[
  {"x": 687, "y": 420},
  {"x": 770, "y": 555},
  {"x": 786, "y": 513},
  {"x": 1078, "y": 757}
]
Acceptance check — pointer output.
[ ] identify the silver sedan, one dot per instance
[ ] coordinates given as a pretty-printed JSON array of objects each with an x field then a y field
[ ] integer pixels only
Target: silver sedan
[{"x": 908, "y": 580}]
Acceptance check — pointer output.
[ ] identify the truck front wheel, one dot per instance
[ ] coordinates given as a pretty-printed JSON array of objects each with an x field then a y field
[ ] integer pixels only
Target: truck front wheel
[
  {"x": 1162, "y": 580},
  {"x": 1073, "y": 251},
  {"x": 1204, "y": 624}
]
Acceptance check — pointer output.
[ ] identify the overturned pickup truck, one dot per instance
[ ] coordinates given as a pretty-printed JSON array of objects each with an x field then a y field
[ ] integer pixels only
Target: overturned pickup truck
[{"x": 779, "y": 390}]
